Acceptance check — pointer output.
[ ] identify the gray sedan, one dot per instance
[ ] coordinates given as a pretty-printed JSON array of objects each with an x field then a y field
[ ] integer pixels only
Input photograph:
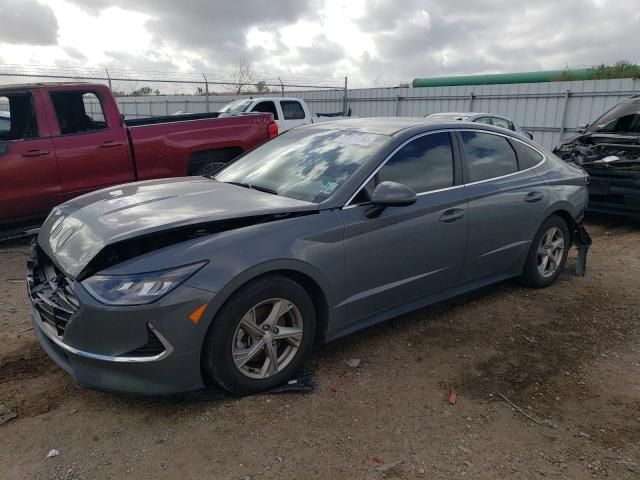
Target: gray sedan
[
  {"x": 165, "y": 285},
  {"x": 476, "y": 117}
]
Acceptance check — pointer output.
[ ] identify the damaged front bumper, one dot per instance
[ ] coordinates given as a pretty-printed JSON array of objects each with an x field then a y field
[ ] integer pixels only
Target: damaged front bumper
[{"x": 151, "y": 350}]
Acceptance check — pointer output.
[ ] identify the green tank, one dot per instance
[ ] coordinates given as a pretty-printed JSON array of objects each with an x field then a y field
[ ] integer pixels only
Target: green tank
[{"x": 501, "y": 78}]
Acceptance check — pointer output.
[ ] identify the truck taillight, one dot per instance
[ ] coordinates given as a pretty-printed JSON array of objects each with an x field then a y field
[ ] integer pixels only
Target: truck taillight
[{"x": 273, "y": 129}]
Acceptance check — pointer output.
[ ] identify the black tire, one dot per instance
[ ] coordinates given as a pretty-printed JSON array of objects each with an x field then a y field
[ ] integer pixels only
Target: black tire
[
  {"x": 217, "y": 358},
  {"x": 531, "y": 276}
]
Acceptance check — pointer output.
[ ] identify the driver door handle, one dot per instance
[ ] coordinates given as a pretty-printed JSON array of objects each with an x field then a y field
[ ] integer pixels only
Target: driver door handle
[
  {"x": 35, "y": 153},
  {"x": 452, "y": 215},
  {"x": 111, "y": 143}
]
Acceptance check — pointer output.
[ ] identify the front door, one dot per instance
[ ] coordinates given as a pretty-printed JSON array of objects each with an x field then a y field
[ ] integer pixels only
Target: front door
[
  {"x": 406, "y": 252},
  {"x": 28, "y": 170}
]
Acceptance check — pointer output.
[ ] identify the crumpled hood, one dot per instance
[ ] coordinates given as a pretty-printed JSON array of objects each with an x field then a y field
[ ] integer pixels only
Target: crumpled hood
[{"x": 76, "y": 231}]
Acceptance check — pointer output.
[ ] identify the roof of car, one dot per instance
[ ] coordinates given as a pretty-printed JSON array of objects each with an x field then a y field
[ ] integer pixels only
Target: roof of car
[{"x": 379, "y": 125}]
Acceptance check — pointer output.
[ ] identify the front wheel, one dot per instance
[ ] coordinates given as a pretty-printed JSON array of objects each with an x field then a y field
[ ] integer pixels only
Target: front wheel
[
  {"x": 548, "y": 253},
  {"x": 261, "y": 337}
]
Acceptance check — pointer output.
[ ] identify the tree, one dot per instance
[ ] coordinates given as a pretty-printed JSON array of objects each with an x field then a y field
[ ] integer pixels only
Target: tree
[
  {"x": 404, "y": 85},
  {"x": 144, "y": 91},
  {"x": 261, "y": 87},
  {"x": 242, "y": 75}
]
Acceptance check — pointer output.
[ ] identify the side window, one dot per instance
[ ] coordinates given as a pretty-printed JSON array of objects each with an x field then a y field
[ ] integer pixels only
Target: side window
[
  {"x": 78, "y": 112},
  {"x": 266, "y": 107},
  {"x": 485, "y": 120},
  {"x": 527, "y": 156},
  {"x": 17, "y": 117},
  {"x": 292, "y": 110},
  {"x": 488, "y": 156},
  {"x": 424, "y": 164},
  {"x": 502, "y": 123}
]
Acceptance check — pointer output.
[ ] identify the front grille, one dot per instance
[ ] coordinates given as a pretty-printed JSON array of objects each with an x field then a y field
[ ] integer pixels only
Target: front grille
[{"x": 50, "y": 290}]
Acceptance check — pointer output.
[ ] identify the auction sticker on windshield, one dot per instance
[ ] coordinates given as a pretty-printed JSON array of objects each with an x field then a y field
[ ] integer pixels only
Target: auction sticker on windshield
[{"x": 363, "y": 139}]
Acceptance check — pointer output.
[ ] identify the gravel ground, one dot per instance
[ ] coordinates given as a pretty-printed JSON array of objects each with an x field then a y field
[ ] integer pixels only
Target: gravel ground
[{"x": 566, "y": 356}]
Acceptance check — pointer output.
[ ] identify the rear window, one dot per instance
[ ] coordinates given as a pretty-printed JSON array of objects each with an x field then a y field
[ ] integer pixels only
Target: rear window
[
  {"x": 527, "y": 156},
  {"x": 17, "y": 117},
  {"x": 78, "y": 112},
  {"x": 488, "y": 156}
]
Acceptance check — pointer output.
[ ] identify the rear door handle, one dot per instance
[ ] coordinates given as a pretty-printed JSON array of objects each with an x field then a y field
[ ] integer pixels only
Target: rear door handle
[
  {"x": 533, "y": 197},
  {"x": 452, "y": 215},
  {"x": 35, "y": 153},
  {"x": 111, "y": 143}
]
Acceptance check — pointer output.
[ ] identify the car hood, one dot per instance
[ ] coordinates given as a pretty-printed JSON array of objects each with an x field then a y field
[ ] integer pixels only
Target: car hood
[{"x": 76, "y": 231}]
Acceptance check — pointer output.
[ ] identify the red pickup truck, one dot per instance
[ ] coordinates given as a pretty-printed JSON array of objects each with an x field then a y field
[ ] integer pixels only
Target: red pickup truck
[{"x": 58, "y": 141}]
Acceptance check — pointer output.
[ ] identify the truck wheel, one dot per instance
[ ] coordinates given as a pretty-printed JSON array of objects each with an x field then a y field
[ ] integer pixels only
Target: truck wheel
[
  {"x": 261, "y": 337},
  {"x": 547, "y": 254}
]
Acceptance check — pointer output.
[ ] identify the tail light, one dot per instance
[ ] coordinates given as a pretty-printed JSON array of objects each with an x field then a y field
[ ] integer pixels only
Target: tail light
[{"x": 273, "y": 129}]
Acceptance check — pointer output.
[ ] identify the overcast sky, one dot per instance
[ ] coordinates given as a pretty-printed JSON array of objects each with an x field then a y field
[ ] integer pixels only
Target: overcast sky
[{"x": 380, "y": 42}]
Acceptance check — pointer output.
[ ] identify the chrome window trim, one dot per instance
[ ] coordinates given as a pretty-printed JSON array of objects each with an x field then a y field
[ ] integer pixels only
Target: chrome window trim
[{"x": 388, "y": 157}]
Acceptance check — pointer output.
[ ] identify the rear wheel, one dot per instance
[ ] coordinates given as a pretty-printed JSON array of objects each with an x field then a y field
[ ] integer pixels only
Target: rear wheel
[
  {"x": 261, "y": 337},
  {"x": 548, "y": 253}
]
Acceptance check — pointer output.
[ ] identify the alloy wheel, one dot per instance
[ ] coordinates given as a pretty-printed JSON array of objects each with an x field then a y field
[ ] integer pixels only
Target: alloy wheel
[
  {"x": 267, "y": 338},
  {"x": 550, "y": 252}
]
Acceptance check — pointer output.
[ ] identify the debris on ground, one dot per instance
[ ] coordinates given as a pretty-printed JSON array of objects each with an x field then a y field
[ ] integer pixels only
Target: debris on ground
[
  {"x": 6, "y": 414},
  {"x": 387, "y": 466},
  {"x": 53, "y": 453},
  {"x": 453, "y": 397},
  {"x": 517, "y": 408},
  {"x": 353, "y": 362}
]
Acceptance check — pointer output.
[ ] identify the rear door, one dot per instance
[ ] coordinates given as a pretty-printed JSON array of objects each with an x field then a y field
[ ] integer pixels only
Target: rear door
[
  {"x": 507, "y": 202},
  {"x": 293, "y": 114},
  {"x": 28, "y": 171},
  {"x": 91, "y": 146},
  {"x": 407, "y": 252}
]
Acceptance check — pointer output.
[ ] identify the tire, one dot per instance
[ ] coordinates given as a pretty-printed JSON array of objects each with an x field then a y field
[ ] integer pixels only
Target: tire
[
  {"x": 532, "y": 275},
  {"x": 232, "y": 335}
]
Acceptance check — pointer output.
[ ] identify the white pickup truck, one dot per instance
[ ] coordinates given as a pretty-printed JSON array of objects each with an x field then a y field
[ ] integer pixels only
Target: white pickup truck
[{"x": 288, "y": 112}]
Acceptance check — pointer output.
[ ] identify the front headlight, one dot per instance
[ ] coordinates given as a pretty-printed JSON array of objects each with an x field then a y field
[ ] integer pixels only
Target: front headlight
[{"x": 138, "y": 288}]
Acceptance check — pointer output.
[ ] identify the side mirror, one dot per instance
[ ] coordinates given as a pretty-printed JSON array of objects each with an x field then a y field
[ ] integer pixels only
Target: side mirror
[
  {"x": 529, "y": 134},
  {"x": 582, "y": 127},
  {"x": 390, "y": 194}
]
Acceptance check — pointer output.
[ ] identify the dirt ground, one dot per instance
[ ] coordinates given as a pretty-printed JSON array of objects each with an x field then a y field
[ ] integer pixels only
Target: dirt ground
[{"x": 567, "y": 356}]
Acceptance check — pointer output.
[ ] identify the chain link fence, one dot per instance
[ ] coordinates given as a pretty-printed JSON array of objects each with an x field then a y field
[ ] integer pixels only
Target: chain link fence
[{"x": 149, "y": 94}]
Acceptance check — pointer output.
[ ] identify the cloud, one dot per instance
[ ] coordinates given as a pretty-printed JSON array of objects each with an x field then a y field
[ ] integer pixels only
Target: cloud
[
  {"x": 27, "y": 22},
  {"x": 216, "y": 29}
]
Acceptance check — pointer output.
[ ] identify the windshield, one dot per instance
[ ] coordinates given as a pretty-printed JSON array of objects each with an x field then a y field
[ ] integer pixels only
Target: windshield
[
  {"x": 623, "y": 118},
  {"x": 307, "y": 163},
  {"x": 236, "y": 107}
]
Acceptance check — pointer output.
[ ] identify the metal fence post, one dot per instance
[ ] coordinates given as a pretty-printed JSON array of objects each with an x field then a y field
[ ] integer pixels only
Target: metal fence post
[
  {"x": 344, "y": 100},
  {"x": 206, "y": 91},
  {"x": 135, "y": 103},
  {"x": 281, "y": 87},
  {"x": 108, "y": 78},
  {"x": 564, "y": 113},
  {"x": 471, "y": 96},
  {"x": 166, "y": 106},
  {"x": 398, "y": 98}
]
